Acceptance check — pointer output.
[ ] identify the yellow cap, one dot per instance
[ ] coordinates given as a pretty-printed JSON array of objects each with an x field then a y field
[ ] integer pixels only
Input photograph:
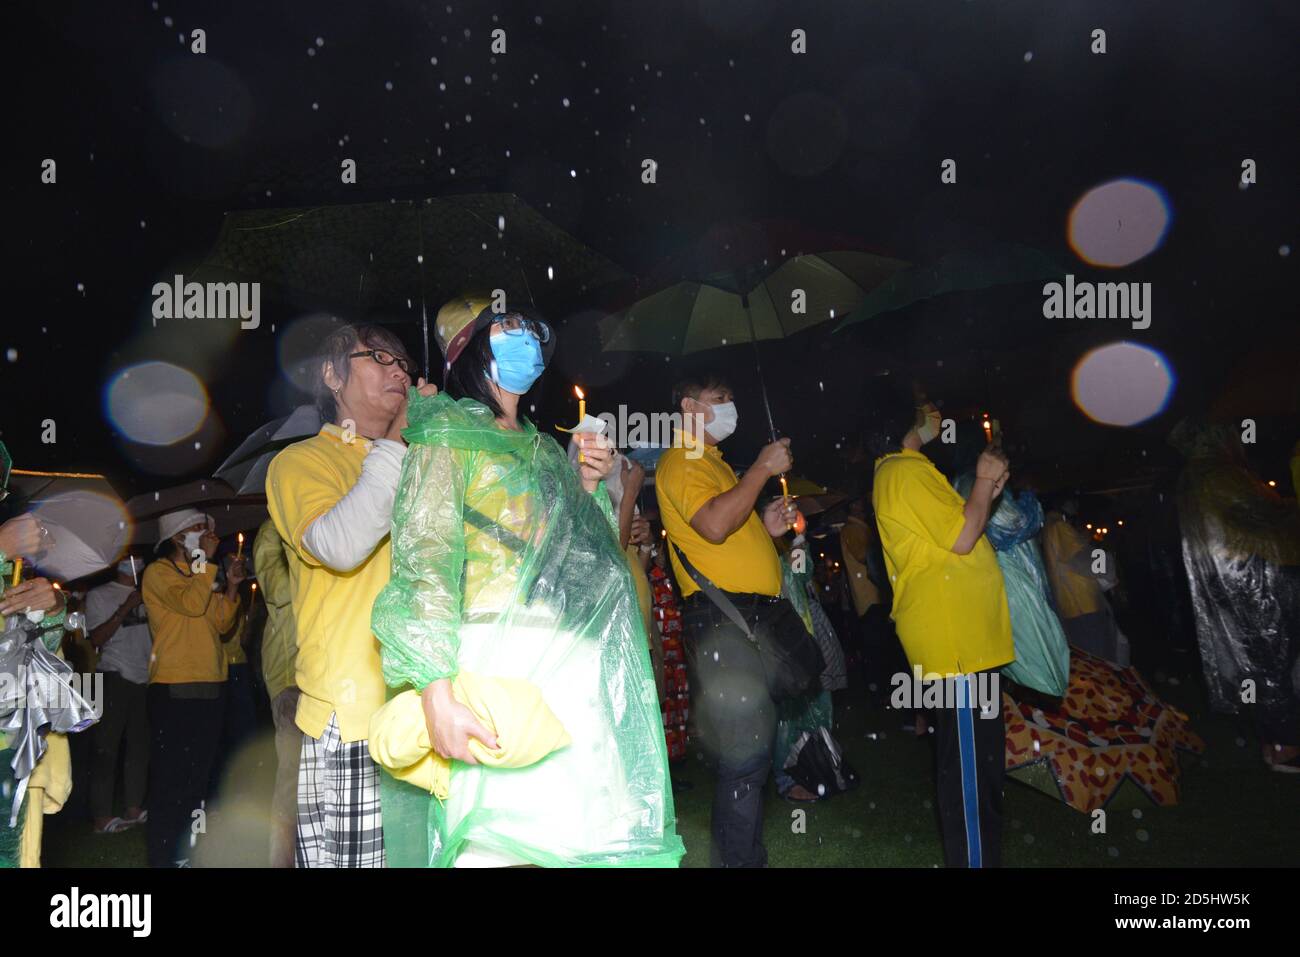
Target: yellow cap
[{"x": 455, "y": 323}]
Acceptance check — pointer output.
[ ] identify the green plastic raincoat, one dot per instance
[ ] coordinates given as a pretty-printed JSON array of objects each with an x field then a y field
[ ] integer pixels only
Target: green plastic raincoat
[{"x": 503, "y": 565}]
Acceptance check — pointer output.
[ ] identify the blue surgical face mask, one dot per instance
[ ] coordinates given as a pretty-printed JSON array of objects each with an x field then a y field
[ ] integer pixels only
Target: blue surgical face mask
[{"x": 518, "y": 362}]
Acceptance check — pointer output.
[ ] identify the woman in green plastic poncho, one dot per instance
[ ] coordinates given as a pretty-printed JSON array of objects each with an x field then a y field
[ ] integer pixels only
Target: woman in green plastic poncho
[{"x": 505, "y": 565}]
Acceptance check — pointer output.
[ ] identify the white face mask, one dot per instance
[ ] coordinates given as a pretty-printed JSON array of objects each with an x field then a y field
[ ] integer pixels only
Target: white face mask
[
  {"x": 724, "y": 421},
  {"x": 930, "y": 424},
  {"x": 192, "y": 541}
]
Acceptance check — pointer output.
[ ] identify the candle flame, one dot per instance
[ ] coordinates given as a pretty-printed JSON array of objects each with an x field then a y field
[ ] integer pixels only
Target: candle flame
[{"x": 579, "y": 393}]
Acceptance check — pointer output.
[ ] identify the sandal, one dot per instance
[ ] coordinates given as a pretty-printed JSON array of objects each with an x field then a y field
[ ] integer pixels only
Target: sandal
[{"x": 113, "y": 826}]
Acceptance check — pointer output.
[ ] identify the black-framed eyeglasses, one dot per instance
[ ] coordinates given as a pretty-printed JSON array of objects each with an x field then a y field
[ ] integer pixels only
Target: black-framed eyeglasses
[
  {"x": 385, "y": 358},
  {"x": 516, "y": 325}
]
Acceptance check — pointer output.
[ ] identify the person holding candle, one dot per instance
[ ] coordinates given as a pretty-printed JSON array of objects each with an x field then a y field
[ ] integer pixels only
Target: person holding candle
[
  {"x": 187, "y": 677},
  {"x": 949, "y": 606},
  {"x": 331, "y": 499},
  {"x": 507, "y": 565},
  {"x": 709, "y": 516}
]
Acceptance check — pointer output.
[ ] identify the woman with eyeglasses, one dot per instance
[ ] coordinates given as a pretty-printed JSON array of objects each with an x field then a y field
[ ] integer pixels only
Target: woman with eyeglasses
[
  {"x": 507, "y": 567},
  {"x": 331, "y": 499}
]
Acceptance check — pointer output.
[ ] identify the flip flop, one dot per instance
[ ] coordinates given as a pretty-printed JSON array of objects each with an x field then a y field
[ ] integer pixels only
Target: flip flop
[
  {"x": 133, "y": 821},
  {"x": 113, "y": 826}
]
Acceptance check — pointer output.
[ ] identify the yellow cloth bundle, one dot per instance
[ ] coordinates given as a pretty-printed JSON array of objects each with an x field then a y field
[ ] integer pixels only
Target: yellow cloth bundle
[{"x": 513, "y": 709}]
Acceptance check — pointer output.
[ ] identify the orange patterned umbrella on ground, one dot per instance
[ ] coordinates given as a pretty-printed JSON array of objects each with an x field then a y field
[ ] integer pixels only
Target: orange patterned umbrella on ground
[{"x": 1110, "y": 727}]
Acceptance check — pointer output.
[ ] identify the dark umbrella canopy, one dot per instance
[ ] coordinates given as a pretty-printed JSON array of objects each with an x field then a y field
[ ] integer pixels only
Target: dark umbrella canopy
[
  {"x": 407, "y": 255},
  {"x": 997, "y": 265},
  {"x": 245, "y": 469}
]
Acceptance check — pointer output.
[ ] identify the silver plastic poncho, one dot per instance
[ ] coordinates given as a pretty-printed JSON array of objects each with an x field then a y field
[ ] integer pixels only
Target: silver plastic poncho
[
  {"x": 1241, "y": 547},
  {"x": 504, "y": 566}
]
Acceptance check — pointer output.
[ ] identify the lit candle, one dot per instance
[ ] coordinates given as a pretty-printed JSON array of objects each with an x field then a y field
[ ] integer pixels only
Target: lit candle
[
  {"x": 253, "y": 600},
  {"x": 239, "y": 552},
  {"x": 18, "y": 572},
  {"x": 582, "y": 414},
  {"x": 988, "y": 430},
  {"x": 785, "y": 498}
]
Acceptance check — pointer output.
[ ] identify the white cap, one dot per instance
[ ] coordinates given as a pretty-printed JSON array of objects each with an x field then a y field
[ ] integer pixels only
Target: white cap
[{"x": 173, "y": 522}]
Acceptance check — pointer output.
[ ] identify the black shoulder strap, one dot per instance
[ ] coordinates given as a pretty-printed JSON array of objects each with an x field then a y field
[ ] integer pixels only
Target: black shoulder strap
[{"x": 715, "y": 594}]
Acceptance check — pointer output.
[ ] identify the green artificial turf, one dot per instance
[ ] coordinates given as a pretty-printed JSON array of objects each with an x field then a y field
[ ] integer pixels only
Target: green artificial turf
[{"x": 1234, "y": 811}]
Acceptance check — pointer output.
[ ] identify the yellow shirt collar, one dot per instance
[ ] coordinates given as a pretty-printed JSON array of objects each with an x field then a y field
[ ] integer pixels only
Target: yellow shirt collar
[
  {"x": 335, "y": 432},
  {"x": 689, "y": 441}
]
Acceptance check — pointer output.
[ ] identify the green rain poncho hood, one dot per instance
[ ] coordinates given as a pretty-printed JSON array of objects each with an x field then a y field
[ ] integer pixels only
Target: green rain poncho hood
[{"x": 503, "y": 565}]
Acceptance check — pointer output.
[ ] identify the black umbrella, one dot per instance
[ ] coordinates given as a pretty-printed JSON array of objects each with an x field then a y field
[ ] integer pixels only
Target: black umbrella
[{"x": 394, "y": 256}]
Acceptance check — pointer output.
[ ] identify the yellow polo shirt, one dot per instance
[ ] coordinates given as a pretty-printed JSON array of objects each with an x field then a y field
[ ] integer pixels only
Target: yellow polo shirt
[
  {"x": 950, "y": 610},
  {"x": 747, "y": 560},
  {"x": 337, "y": 669},
  {"x": 279, "y": 640},
  {"x": 186, "y": 620}
]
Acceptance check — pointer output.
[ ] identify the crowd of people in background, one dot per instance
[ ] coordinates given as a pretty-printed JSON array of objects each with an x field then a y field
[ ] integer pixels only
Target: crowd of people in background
[{"x": 458, "y": 642}]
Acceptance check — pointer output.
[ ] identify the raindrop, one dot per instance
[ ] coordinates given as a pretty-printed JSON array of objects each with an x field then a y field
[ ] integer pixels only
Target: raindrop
[
  {"x": 433, "y": 61},
  {"x": 746, "y": 117},
  {"x": 1137, "y": 813},
  {"x": 1029, "y": 55},
  {"x": 198, "y": 445},
  {"x": 388, "y": 84},
  {"x": 501, "y": 224},
  {"x": 442, "y": 87},
  {"x": 550, "y": 273},
  {"x": 142, "y": 224},
  {"x": 821, "y": 386},
  {"x": 419, "y": 258},
  {"x": 565, "y": 101},
  {"x": 320, "y": 41},
  {"x": 1284, "y": 250},
  {"x": 537, "y": 20},
  {"x": 81, "y": 289},
  {"x": 468, "y": 79},
  {"x": 11, "y": 355},
  {"x": 314, "y": 106},
  {"x": 311, "y": 51},
  {"x": 1029, "y": 839},
  {"x": 1113, "y": 851},
  {"x": 167, "y": 21},
  {"x": 1143, "y": 836}
]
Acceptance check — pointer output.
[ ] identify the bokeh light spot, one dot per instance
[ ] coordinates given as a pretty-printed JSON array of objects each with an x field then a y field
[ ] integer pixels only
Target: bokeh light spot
[
  {"x": 156, "y": 403},
  {"x": 1118, "y": 223},
  {"x": 1122, "y": 384}
]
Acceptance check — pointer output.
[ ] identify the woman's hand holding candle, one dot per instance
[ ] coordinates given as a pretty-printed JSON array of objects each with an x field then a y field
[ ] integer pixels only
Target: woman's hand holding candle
[{"x": 596, "y": 458}]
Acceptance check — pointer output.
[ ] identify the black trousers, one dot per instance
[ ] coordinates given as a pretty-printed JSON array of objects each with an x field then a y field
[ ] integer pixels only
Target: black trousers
[
  {"x": 185, "y": 735},
  {"x": 970, "y": 754},
  {"x": 736, "y": 718}
]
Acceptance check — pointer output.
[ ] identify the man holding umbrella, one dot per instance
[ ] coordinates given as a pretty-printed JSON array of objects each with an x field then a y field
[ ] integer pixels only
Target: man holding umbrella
[
  {"x": 331, "y": 498},
  {"x": 709, "y": 516}
]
